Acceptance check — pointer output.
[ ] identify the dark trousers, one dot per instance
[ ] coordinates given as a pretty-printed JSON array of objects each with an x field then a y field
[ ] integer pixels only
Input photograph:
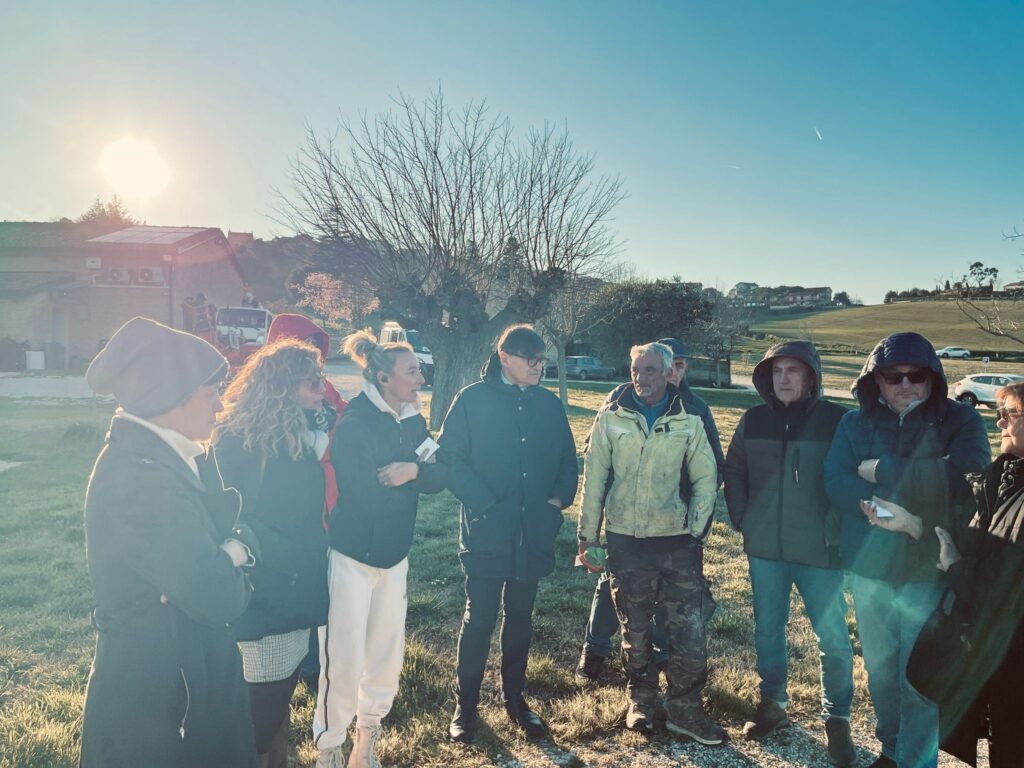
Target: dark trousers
[
  {"x": 270, "y": 704},
  {"x": 604, "y": 623},
  {"x": 484, "y": 596}
]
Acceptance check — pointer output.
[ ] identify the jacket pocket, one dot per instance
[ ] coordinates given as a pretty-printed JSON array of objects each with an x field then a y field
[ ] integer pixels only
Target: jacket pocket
[
  {"x": 482, "y": 532},
  {"x": 541, "y": 523}
]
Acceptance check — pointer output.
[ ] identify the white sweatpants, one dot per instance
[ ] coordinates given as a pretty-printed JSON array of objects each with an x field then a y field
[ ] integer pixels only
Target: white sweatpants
[{"x": 361, "y": 648}]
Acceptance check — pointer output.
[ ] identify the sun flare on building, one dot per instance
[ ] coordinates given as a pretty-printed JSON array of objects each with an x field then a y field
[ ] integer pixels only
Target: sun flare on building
[{"x": 134, "y": 169}]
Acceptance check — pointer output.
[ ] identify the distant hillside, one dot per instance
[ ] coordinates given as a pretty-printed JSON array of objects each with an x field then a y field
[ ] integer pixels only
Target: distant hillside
[{"x": 862, "y": 327}]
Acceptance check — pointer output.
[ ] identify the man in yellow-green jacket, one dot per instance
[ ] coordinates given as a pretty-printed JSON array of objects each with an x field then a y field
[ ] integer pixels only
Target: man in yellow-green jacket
[{"x": 659, "y": 472}]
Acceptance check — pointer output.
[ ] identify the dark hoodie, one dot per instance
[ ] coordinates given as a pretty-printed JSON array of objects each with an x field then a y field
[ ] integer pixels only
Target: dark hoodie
[
  {"x": 774, "y": 476},
  {"x": 922, "y": 455},
  {"x": 509, "y": 451}
]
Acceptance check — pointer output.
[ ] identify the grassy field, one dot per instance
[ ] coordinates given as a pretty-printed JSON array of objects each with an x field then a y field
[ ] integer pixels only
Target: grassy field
[
  {"x": 46, "y": 642},
  {"x": 861, "y": 327}
]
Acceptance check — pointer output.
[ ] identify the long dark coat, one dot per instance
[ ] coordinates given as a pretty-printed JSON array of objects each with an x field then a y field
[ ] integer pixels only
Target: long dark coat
[
  {"x": 989, "y": 585},
  {"x": 283, "y": 503},
  {"x": 509, "y": 450},
  {"x": 166, "y": 685}
]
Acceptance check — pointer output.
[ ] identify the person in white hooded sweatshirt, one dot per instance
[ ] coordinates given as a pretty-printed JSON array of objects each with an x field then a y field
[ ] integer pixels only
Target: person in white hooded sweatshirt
[{"x": 383, "y": 457}]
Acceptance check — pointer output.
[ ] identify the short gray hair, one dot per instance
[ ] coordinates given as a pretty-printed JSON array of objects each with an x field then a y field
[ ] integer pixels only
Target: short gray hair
[{"x": 639, "y": 350}]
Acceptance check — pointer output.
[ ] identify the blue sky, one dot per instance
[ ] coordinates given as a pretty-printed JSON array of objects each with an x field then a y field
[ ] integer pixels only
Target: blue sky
[{"x": 711, "y": 112}]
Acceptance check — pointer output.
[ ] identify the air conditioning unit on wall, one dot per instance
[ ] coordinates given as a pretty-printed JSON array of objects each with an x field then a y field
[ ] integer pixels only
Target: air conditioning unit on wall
[
  {"x": 119, "y": 276},
  {"x": 151, "y": 276}
]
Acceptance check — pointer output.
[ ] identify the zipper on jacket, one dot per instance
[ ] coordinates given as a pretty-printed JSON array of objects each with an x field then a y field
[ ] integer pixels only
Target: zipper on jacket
[
  {"x": 188, "y": 702},
  {"x": 782, "y": 483},
  {"x": 796, "y": 466}
]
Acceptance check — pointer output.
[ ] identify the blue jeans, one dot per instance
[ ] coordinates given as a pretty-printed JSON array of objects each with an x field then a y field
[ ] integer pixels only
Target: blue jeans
[
  {"x": 771, "y": 582},
  {"x": 889, "y": 619},
  {"x": 604, "y": 623}
]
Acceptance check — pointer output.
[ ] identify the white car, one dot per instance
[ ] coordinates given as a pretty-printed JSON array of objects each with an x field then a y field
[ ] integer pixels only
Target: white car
[
  {"x": 981, "y": 387},
  {"x": 948, "y": 352}
]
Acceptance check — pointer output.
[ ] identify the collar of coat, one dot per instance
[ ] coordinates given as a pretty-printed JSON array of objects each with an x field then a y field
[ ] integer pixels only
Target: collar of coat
[
  {"x": 138, "y": 440},
  {"x": 625, "y": 402}
]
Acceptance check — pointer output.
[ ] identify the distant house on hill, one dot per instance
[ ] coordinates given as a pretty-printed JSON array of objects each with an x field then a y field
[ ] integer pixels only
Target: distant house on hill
[
  {"x": 782, "y": 296},
  {"x": 66, "y": 287}
]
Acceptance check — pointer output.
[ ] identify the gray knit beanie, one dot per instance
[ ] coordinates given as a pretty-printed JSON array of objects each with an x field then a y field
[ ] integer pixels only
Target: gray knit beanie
[{"x": 150, "y": 368}]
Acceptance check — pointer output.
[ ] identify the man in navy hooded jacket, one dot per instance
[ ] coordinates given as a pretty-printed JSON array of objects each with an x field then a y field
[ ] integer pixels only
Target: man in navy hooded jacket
[{"x": 907, "y": 450}]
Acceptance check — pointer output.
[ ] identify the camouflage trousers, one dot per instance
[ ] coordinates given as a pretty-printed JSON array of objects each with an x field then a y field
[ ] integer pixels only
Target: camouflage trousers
[{"x": 641, "y": 580}]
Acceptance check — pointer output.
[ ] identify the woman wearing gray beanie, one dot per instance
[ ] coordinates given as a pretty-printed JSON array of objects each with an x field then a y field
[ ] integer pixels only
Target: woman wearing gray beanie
[{"x": 167, "y": 562}]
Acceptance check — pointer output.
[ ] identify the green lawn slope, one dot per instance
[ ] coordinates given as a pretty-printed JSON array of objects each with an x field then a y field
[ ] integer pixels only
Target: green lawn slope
[{"x": 861, "y": 327}]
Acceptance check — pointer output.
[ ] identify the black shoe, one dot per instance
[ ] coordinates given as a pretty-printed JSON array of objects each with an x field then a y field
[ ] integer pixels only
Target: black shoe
[
  {"x": 463, "y": 725},
  {"x": 883, "y": 762},
  {"x": 768, "y": 718},
  {"x": 589, "y": 668},
  {"x": 521, "y": 714}
]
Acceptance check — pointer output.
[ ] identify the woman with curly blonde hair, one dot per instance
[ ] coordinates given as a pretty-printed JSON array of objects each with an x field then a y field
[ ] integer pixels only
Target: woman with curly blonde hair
[
  {"x": 271, "y": 438},
  {"x": 384, "y": 459}
]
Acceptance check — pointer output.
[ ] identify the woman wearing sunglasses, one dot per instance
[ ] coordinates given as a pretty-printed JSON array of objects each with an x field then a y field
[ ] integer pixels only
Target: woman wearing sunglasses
[
  {"x": 895, "y": 470},
  {"x": 269, "y": 443},
  {"x": 985, "y": 569}
]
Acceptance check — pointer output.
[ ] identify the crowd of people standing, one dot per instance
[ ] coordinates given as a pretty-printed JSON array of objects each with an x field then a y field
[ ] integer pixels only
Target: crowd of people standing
[{"x": 217, "y": 564}]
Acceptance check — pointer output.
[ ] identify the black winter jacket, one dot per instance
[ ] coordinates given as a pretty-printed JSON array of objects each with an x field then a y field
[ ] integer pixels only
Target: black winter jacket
[
  {"x": 989, "y": 587},
  {"x": 774, "y": 472},
  {"x": 373, "y": 523},
  {"x": 509, "y": 450},
  {"x": 166, "y": 686},
  {"x": 283, "y": 505},
  {"x": 923, "y": 458}
]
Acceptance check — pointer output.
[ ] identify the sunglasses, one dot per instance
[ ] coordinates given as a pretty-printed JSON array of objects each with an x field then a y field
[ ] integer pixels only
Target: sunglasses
[
  {"x": 530, "y": 361},
  {"x": 1008, "y": 414},
  {"x": 316, "y": 382},
  {"x": 892, "y": 378}
]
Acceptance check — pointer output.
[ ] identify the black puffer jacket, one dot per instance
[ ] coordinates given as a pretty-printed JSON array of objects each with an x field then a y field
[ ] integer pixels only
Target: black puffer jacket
[
  {"x": 283, "y": 505},
  {"x": 923, "y": 457},
  {"x": 509, "y": 450},
  {"x": 166, "y": 687},
  {"x": 373, "y": 523},
  {"x": 774, "y": 472}
]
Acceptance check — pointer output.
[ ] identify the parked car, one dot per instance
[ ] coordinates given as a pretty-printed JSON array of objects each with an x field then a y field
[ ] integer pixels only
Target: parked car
[
  {"x": 954, "y": 352},
  {"x": 980, "y": 388},
  {"x": 582, "y": 368}
]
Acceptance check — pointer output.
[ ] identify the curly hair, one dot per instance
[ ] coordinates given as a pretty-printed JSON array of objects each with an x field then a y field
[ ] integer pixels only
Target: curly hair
[
  {"x": 260, "y": 404},
  {"x": 372, "y": 357}
]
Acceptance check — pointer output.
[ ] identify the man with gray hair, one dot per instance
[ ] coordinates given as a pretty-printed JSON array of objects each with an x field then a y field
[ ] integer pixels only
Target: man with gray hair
[{"x": 657, "y": 510}]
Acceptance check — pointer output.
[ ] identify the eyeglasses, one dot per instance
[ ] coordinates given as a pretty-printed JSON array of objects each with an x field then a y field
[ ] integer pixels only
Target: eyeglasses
[
  {"x": 892, "y": 378},
  {"x": 1007, "y": 414},
  {"x": 530, "y": 361}
]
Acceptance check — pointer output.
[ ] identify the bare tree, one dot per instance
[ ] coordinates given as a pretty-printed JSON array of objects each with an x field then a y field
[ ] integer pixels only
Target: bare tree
[
  {"x": 992, "y": 313},
  {"x": 575, "y": 309},
  {"x": 458, "y": 230},
  {"x": 719, "y": 330}
]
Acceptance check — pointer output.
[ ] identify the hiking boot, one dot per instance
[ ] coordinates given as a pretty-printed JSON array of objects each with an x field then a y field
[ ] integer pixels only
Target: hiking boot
[
  {"x": 589, "y": 668},
  {"x": 660, "y": 712},
  {"x": 841, "y": 751},
  {"x": 640, "y": 718},
  {"x": 463, "y": 725},
  {"x": 692, "y": 721},
  {"x": 331, "y": 757},
  {"x": 768, "y": 717},
  {"x": 883, "y": 762},
  {"x": 364, "y": 747}
]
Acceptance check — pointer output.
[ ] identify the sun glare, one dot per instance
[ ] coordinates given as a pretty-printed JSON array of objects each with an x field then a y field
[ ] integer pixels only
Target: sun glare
[{"x": 134, "y": 169}]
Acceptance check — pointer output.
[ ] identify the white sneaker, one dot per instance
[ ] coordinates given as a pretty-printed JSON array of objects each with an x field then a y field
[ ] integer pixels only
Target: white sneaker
[
  {"x": 331, "y": 757},
  {"x": 364, "y": 747}
]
